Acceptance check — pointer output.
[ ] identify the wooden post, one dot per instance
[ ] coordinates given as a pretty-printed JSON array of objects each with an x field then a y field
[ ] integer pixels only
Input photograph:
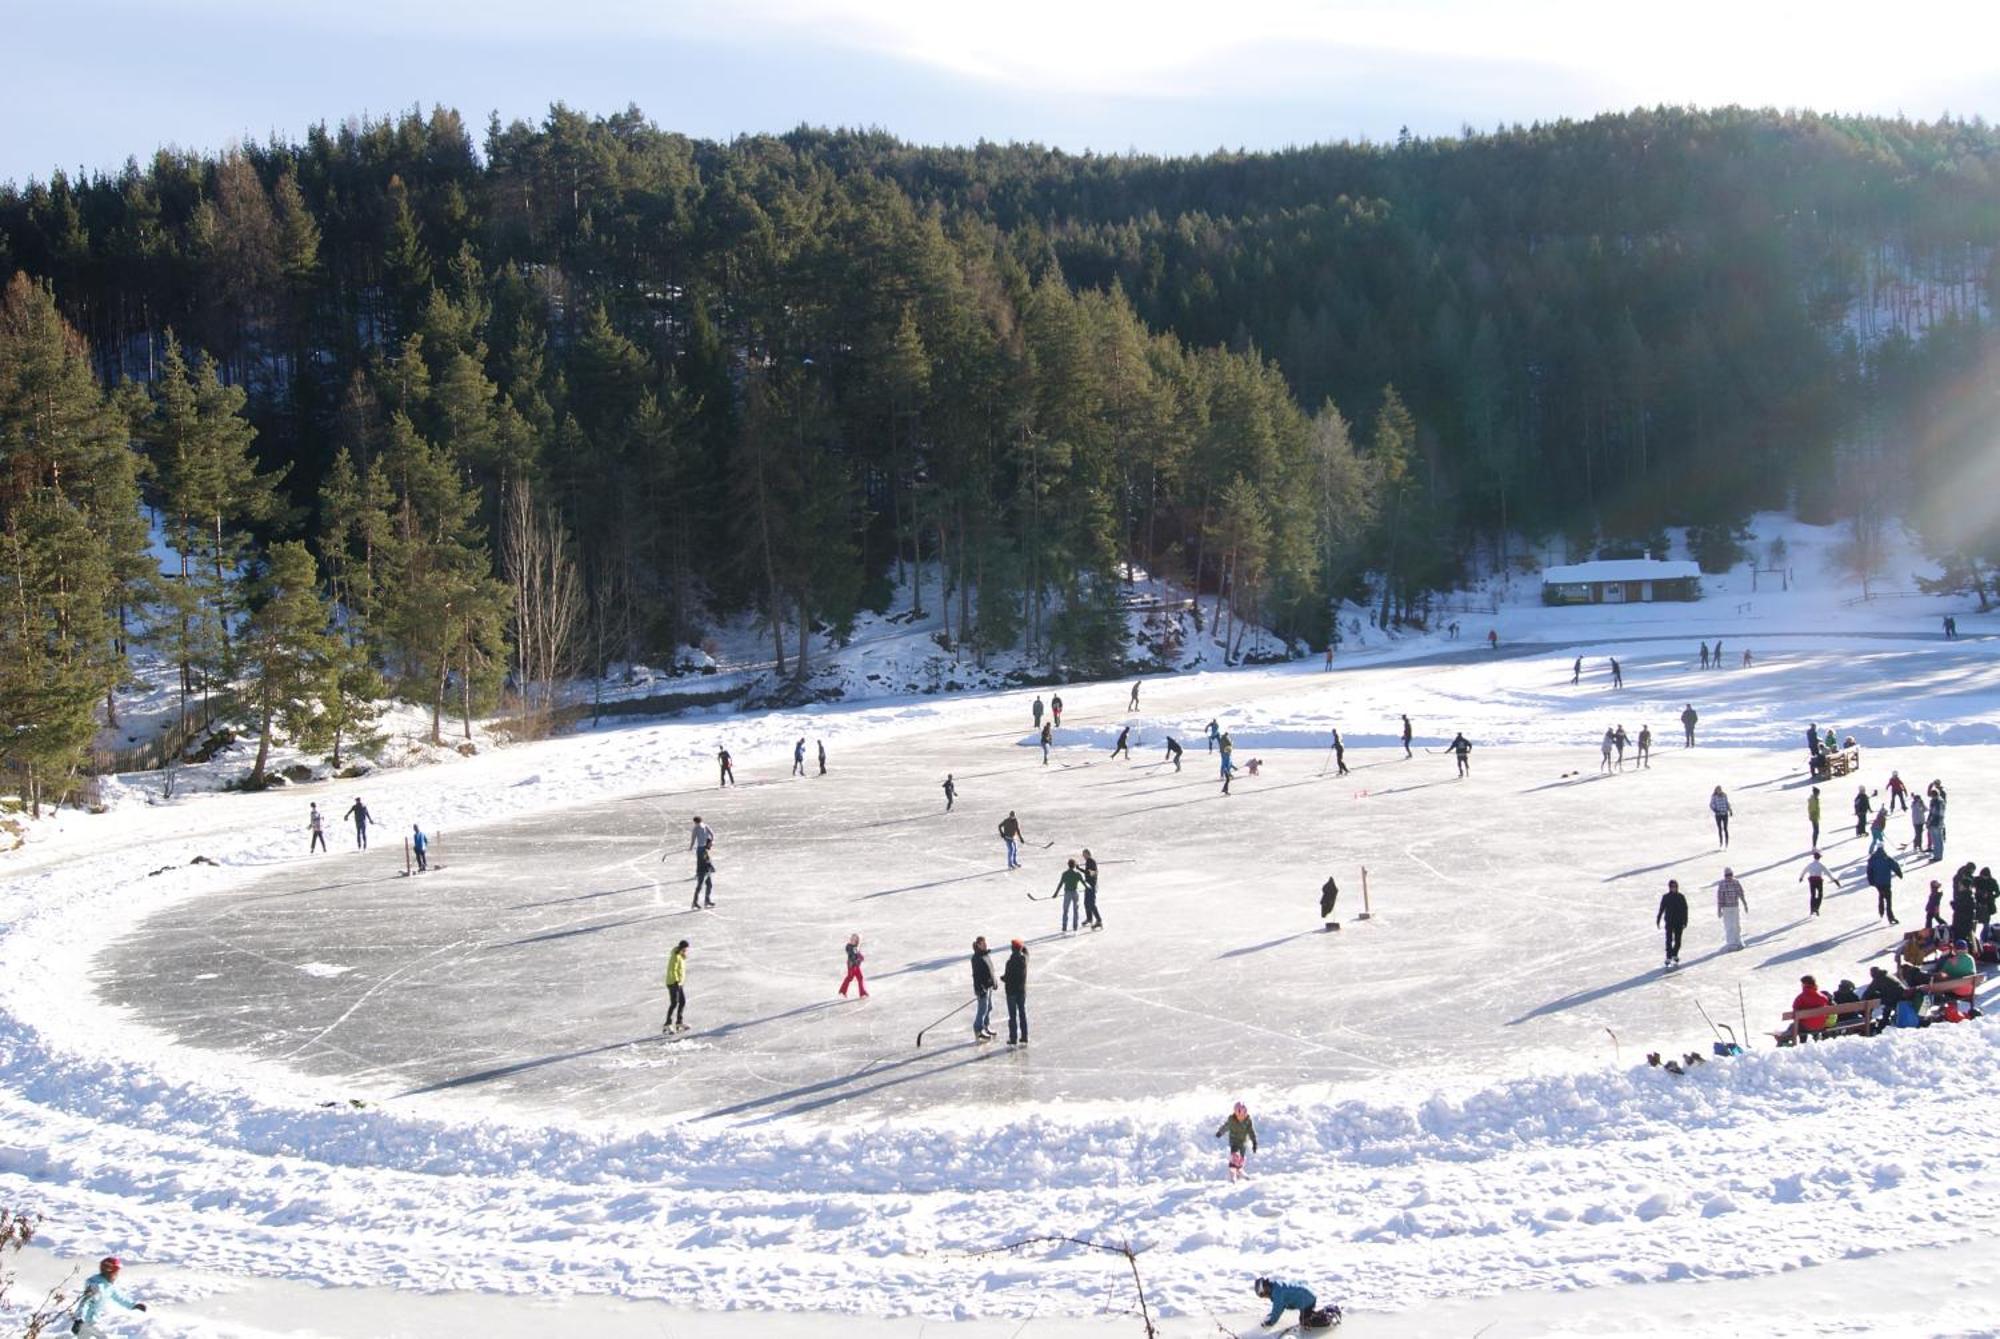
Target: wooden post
[
  {"x": 406, "y": 857},
  {"x": 1366, "y": 910}
]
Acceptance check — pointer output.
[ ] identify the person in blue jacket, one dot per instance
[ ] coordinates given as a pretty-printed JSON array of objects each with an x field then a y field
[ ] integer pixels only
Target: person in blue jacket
[
  {"x": 1296, "y": 1297},
  {"x": 98, "y": 1290}
]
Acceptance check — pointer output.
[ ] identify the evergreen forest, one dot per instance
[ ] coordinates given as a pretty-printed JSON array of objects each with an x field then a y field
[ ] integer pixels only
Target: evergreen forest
[{"x": 412, "y": 410}]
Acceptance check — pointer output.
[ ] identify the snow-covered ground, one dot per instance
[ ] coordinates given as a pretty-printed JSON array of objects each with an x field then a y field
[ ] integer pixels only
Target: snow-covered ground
[{"x": 1459, "y": 1132}]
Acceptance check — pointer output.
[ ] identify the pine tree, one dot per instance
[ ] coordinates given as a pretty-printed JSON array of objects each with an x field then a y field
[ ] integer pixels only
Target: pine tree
[
  {"x": 289, "y": 657},
  {"x": 66, "y": 501}
]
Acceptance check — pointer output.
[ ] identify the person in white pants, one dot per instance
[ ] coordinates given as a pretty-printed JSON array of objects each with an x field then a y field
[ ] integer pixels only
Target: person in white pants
[{"x": 1730, "y": 904}]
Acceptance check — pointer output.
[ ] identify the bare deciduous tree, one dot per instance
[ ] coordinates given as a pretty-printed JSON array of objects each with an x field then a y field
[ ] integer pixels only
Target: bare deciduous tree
[{"x": 548, "y": 601}]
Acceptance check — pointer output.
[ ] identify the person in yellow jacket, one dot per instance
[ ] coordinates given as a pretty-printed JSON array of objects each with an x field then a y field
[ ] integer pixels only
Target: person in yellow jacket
[{"x": 677, "y": 1002}]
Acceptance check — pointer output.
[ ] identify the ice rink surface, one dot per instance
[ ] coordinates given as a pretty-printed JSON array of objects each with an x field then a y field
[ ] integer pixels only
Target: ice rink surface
[{"x": 1513, "y": 925}]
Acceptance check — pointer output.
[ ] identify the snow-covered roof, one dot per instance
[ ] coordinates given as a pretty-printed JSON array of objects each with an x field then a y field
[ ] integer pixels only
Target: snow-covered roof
[{"x": 1620, "y": 569}]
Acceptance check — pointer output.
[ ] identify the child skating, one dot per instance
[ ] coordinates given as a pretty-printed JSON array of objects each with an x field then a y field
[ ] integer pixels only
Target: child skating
[{"x": 854, "y": 961}]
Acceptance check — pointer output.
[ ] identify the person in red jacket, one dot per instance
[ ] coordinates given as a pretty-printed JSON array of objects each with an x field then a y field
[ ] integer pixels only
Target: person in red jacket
[{"x": 1810, "y": 996}]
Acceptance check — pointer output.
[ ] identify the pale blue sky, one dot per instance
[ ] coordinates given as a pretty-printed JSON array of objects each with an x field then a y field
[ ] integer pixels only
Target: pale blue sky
[{"x": 90, "y": 82}]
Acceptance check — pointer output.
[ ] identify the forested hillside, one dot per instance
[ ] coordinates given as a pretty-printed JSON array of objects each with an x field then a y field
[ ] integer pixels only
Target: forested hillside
[{"x": 571, "y": 393}]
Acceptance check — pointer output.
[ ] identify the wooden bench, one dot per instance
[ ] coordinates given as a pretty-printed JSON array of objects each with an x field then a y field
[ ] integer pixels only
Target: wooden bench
[
  {"x": 1840, "y": 762},
  {"x": 1843, "y": 1019}
]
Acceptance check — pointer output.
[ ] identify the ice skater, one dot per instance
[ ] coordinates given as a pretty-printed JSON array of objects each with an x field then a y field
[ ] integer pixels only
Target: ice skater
[
  {"x": 1617, "y": 674},
  {"x": 362, "y": 818},
  {"x": 1014, "y": 978},
  {"x": 727, "y": 773},
  {"x": 1213, "y": 733},
  {"x": 1812, "y": 814},
  {"x": 1619, "y": 739},
  {"x": 677, "y": 1000},
  {"x": 1688, "y": 718},
  {"x": 1815, "y": 875},
  {"x": 950, "y": 792},
  {"x": 1604, "y": 748},
  {"x": 1174, "y": 752},
  {"x": 1329, "y": 893},
  {"x": 420, "y": 845},
  {"x": 1730, "y": 905},
  {"x": 1461, "y": 747},
  {"x": 99, "y": 1290},
  {"x": 1090, "y": 916},
  {"x": 1861, "y": 811},
  {"x": 1133, "y": 703},
  {"x": 1646, "y": 746},
  {"x": 854, "y": 961},
  {"x": 1069, "y": 884},
  {"x": 1037, "y": 711},
  {"x": 1241, "y": 1132},
  {"x": 1883, "y": 871},
  {"x": 982, "y": 991},
  {"x": 1406, "y": 738},
  {"x": 1934, "y": 821},
  {"x": 1576, "y": 672},
  {"x": 1048, "y": 738},
  {"x": 1934, "y": 905},
  {"x": 1339, "y": 754},
  {"x": 1010, "y": 832},
  {"x": 1124, "y": 744},
  {"x": 1899, "y": 792},
  {"x": 1918, "y": 810},
  {"x": 799, "y": 757},
  {"x": 1228, "y": 772},
  {"x": 1055, "y": 711},
  {"x": 704, "y": 880},
  {"x": 1878, "y": 827},
  {"x": 1673, "y": 918},
  {"x": 821, "y": 743},
  {"x": 316, "y": 825},
  {"x": 1704, "y": 655},
  {"x": 1718, "y": 805}
]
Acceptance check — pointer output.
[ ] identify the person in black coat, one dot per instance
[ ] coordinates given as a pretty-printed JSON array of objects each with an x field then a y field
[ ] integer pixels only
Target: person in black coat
[
  {"x": 1329, "y": 892},
  {"x": 1014, "y": 976},
  {"x": 1673, "y": 915},
  {"x": 982, "y": 991},
  {"x": 1888, "y": 990}
]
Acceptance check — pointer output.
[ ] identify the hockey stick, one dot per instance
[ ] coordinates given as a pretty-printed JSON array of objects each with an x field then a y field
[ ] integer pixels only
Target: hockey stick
[
  {"x": 953, "y": 1014},
  {"x": 1328, "y": 762}
]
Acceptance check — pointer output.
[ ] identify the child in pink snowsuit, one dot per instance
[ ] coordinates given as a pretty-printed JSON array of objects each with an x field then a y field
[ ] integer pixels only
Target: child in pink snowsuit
[{"x": 853, "y": 976}]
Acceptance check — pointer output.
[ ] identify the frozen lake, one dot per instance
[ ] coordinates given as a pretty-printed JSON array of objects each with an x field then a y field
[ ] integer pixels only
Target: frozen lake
[{"x": 1513, "y": 926}]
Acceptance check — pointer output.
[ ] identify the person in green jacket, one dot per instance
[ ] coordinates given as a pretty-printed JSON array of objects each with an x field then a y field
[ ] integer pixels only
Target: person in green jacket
[
  {"x": 1070, "y": 885},
  {"x": 1241, "y": 1131},
  {"x": 1812, "y": 814},
  {"x": 677, "y": 1000}
]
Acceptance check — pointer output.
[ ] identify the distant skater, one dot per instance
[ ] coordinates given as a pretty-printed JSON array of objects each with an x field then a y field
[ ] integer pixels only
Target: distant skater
[
  {"x": 1010, "y": 832},
  {"x": 420, "y": 845},
  {"x": 1883, "y": 871},
  {"x": 1069, "y": 884},
  {"x": 950, "y": 792},
  {"x": 1861, "y": 811},
  {"x": 1090, "y": 916},
  {"x": 1718, "y": 805},
  {"x": 854, "y": 961},
  {"x": 1812, "y": 814},
  {"x": 1730, "y": 904},
  {"x": 726, "y": 773},
  {"x": 1406, "y": 738},
  {"x": 1133, "y": 703},
  {"x": 1339, "y": 754},
  {"x": 1688, "y": 718},
  {"x": 1645, "y": 746},
  {"x": 822, "y": 755},
  {"x": 1329, "y": 893},
  {"x": 1617, "y": 674},
  {"x": 1228, "y": 772},
  {"x": 316, "y": 825},
  {"x": 677, "y": 1000},
  {"x": 799, "y": 757},
  {"x": 1055, "y": 711},
  {"x": 1814, "y": 876},
  {"x": 1213, "y": 733},
  {"x": 704, "y": 880},
  {"x": 1241, "y": 1132},
  {"x": 1673, "y": 918},
  {"x": 1704, "y": 655},
  {"x": 1124, "y": 744},
  {"x": 1014, "y": 978},
  {"x": 1037, "y": 711},
  {"x": 1461, "y": 748},
  {"x": 1576, "y": 672},
  {"x": 362, "y": 818},
  {"x": 1048, "y": 738},
  {"x": 1174, "y": 752},
  {"x": 983, "y": 985}
]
